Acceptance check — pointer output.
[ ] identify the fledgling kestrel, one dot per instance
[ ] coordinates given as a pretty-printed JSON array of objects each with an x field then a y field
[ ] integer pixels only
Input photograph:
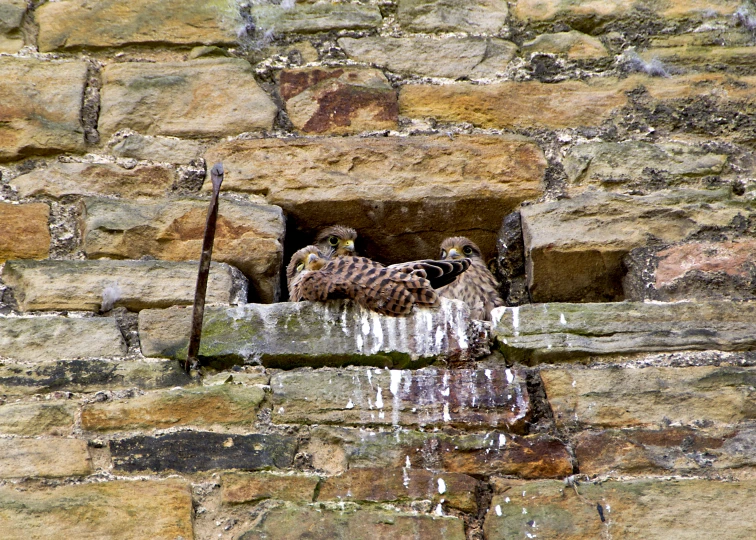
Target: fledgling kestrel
[
  {"x": 389, "y": 291},
  {"x": 339, "y": 239},
  {"x": 477, "y": 287}
]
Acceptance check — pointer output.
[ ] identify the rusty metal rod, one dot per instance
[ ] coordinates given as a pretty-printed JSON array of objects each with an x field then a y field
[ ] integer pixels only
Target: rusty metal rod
[{"x": 198, "y": 311}]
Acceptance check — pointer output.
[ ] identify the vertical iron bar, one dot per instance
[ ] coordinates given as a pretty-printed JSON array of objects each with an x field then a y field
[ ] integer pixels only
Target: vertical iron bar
[{"x": 198, "y": 312}]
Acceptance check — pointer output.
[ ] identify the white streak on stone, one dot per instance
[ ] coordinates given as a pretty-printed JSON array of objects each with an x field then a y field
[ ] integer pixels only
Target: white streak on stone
[
  {"x": 562, "y": 319},
  {"x": 407, "y": 463},
  {"x": 524, "y": 511},
  {"x": 439, "y": 510},
  {"x": 516, "y": 320},
  {"x": 377, "y": 332},
  {"x": 498, "y": 510},
  {"x": 405, "y": 475},
  {"x": 447, "y": 416},
  {"x": 506, "y": 500},
  {"x": 510, "y": 376},
  {"x": 488, "y": 374},
  {"x": 502, "y": 440},
  {"x": 396, "y": 378},
  {"x": 379, "y": 398},
  {"x": 350, "y": 405},
  {"x": 441, "y": 486},
  {"x": 370, "y": 377}
]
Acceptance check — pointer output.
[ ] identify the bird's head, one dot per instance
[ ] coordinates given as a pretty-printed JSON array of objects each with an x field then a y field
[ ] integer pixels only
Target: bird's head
[
  {"x": 307, "y": 259},
  {"x": 459, "y": 247},
  {"x": 341, "y": 240}
]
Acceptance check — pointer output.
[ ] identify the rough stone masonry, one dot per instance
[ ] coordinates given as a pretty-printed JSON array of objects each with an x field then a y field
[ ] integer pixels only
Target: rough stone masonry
[{"x": 601, "y": 154}]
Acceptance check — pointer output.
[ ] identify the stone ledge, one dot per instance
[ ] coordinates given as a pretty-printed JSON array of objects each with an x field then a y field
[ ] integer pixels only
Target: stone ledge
[
  {"x": 313, "y": 334},
  {"x": 105, "y": 284},
  {"x": 553, "y": 332},
  {"x": 462, "y": 398}
]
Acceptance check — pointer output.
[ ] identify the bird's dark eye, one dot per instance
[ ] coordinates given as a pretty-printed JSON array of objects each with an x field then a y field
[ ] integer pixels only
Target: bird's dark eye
[
  {"x": 332, "y": 240},
  {"x": 467, "y": 250}
]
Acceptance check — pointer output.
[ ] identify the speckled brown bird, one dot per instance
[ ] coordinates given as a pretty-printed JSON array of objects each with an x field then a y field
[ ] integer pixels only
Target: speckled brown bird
[
  {"x": 477, "y": 287},
  {"x": 338, "y": 238},
  {"x": 387, "y": 290}
]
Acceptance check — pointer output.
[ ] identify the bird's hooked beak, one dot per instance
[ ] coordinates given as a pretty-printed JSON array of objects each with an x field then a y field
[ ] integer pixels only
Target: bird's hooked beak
[
  {"x": 348, "y": 245},
  {"x": 314, "y": 262},
  {"x": 454, "y": 254}
]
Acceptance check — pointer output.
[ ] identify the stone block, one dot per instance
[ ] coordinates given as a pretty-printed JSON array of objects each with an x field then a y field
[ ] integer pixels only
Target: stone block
[
  {"x": 104, "y": 284},
  {"x": 553, "y": 332},
  {"x": 201, "y": 98},
  {"x": 78, "y": 24},
  {"x": 37, "y": 339},
  {"x": 206, "y": 407},
  {"x": 11, "y": 15},
  {"x": 638, "y": 508},
  {"x": 41, "y": 106},
  {"x": 309, "y": 18},
  {"x": 35, "y": 418},
  {"x": 692, "y": 271},
  {"x": 574, "y": 247},
  {"x": 313, "y": 334},
  {"x": 89, "y": 375},
  {"x": 335, "y": 449},
  {"x": 61, "y": 179},
  {"x": 24, "y": 233},
  {"x": 128, "y": 144},
  {"x": 473, "y": 16},
  {"x": 248, "y": 235},
  {"x": 240, "y": 487},
  {"x": 639, "y": 166},
  {"x": 119, "y": 510},
  {"x": 667, "y": 450},
  {"x": 341, "y": 521},
  {"x": 462, "y": 398},
  {"x": 439, "y": 187},
  {"x": 46, "y": 458},
  {"x": 651, "y": 397},
  {"x": 454, "y": 58},
  {"x": 338, "y": 101},
  {"x": 573, "y": 44},
  {"x": 193, "y": 451},
  {"x": 449, "y": 490}
]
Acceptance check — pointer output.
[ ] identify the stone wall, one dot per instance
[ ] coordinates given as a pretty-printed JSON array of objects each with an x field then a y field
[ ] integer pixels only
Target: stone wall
[{"x": 600, "y": 153}]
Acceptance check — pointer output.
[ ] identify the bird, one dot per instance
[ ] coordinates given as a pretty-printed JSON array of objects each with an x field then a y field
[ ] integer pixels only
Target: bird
[
  {"x": 338, "y": 238},
  {"x": 477, "y": 287},
  {"x": 312, "y": 275}
]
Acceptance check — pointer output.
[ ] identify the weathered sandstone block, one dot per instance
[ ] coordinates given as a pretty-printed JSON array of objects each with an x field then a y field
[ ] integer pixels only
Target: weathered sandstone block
[
  {"x": 128, "y": 144},
  {"x": 639, "y": 508},
  {"x": 549, "y": 332},
  {"x": 89, "y": 375},
  {"x": 44, "y": 458},
  {"x": 574, "y": 247},
  {"x": 348, "y": 521},
  {"x": 453, "y": 58},
  {"x": 184, "y": 99},
  {"x": 104, "y": 284},
  {"x": 387, "y": 187},
  {"x": 74, "y": 24},
  {"x": 223, "y": 405},
  {"x": 306, "y": 18},
  {"x": 338, "y": 101},
  {"x": 426, "y": 397},
  {"x": 651, "y": 397},
  {"x": 62, "y": 179},
  {"x": 121, "y": 510},
  {"x": 11, "y": 16},
  {"x": 41, "y": 105},
  {"x": 50, "y": 418},
  {"x": 192, "y": 451},
  {"x": 248, "y": 236},
  {"x": 474, "y": 16},
  {"x": 313, "y": 334},
  {"x": 668, "y": 450},
  {"x": 243, "y": 487},
  {"x": 336, "y": 449},
  {"x": 394, "y": 485},
  {"x": 24, "y": 233},
  {"x": 575, "y": 45},
  {"x": 692, "y": 271},
  {"x": 52, "y": 338}
]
